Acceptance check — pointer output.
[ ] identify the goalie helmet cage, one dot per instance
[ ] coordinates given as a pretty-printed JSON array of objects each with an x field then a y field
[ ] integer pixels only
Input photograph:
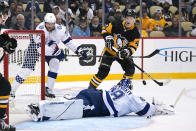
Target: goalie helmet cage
[{"x": 24, "y": 38}]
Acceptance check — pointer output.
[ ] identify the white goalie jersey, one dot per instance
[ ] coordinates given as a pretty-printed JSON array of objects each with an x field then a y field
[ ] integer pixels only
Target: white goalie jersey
[
  {"x": 120, "y": 101},
  {"x": 59, "y": 34}
]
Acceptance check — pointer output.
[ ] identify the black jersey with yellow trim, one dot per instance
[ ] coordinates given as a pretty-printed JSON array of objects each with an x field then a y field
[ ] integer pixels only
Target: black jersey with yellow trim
[{"x": 130, "y": 37}]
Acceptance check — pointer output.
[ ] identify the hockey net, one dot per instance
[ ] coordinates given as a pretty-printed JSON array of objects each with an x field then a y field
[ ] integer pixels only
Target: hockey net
[{"x": 26, "y": 56}]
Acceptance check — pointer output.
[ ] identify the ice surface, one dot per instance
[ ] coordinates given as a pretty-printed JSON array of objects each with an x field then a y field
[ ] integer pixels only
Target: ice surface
[{"x": 183, "y": 120}]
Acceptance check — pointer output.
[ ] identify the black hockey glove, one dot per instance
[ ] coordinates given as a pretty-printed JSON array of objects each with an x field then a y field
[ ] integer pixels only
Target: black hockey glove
[
  {"x": 109, "y": 41},
  {"x": 8, "y": 44},
  {"x": 81, "y": 53},
  {"x": 123, "y": 53}
]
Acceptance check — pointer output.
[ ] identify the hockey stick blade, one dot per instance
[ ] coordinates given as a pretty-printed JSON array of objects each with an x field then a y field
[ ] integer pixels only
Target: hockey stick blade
[
  {"x": 162, "y": 83},
  {"x": 147, "y": 56},
  {"x": 149, "y": 76}
]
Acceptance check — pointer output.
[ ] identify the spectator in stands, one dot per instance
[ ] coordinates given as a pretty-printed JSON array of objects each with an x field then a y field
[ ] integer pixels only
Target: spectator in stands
[
  {"x": 48, "y": 4},
  {"x": 85, "y": 7},
  {"x": 99, "y": 14},
  {"x": 113, "y": 10},
  {"x": 55, "y": 10},
  {"x": 161, "y": 2},
  {"x": 70, "y": 22},
  {"x": 74, "y": 5},
  {"x": 4, "y": 16},
  {"x": 28, "y": 18},
  {"x": 185, "y": 15},
  {"x": 158, "y": 23},
  {"x": 62, "y": 10},
  {"x": 127, "y": 6},
  {"x": 12, "y": 20},
  {"x": 117, "y": 16},
  {"x": 28, "y": 8},
  {"x": 2, "y": 24},
  {"x": 146, "y": 21},
  {"x": 58, "y": 20},
  {"x": 108, "y": 6},
  {"x": 172, "y": 31},
  {"x": 167, "y": 14},
  {"x": 36, "y": 22},
  {"x": 20, "y": 23},
  {"x": 95, "y": 27},
  {"x": 193, "y": 32},
  {"x": 11, "y": 13},
  {"x": 95, "y": 4},
  {"x": 143, "y": 32},
  {"x": 82, "y": 30}
]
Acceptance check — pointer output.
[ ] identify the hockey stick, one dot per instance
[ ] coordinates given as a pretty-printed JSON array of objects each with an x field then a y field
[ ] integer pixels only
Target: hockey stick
[
  {"x": 147, "y": 56},
  {"x": 2, "y": 57},
  {"x": 157, "y": 82},
  {"x": 179, "y": 96}
]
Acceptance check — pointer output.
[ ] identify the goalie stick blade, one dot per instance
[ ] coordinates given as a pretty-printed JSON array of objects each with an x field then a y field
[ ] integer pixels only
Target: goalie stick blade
[{"x": 163, "y": 83}]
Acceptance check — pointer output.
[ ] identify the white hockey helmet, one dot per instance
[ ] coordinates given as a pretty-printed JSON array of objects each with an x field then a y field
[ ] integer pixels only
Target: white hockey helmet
[{"x": 50, "y": 18}]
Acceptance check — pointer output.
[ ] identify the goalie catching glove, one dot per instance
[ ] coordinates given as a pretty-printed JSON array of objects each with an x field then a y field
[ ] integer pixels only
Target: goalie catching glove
[
  {"x": 123, "y": 53},
  {"x": 8, "y": 44},
  {"x": 82, "y": 54}
]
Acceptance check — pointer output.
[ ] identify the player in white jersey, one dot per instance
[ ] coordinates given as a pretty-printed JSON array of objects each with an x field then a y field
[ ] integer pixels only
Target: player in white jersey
[
  {"x": 116, "y": 102},
  {"x": 54, "y": 34}
]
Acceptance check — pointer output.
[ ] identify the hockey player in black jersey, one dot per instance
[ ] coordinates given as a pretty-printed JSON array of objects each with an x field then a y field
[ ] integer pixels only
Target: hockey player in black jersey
[
  {"x": 124, "y": 37},
  {"x": 8, "y": 44}
]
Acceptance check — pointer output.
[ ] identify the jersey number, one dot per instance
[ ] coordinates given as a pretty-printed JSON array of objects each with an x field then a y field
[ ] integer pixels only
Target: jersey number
[{"x": 117, "y": 94}]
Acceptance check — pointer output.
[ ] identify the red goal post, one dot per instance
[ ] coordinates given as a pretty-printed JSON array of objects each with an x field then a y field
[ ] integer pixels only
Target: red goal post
[{"x": 23, "y": 38}]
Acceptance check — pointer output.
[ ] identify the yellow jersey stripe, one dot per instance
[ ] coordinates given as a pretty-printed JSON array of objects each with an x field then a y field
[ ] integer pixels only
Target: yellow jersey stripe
[
  {"x": 4, "y": 97},
  {"x": 130, "y": 77},
  {"x": 97, "y": 78},
  {"x": 3, "y": 106},
  {"x": 93, "y": 83}
]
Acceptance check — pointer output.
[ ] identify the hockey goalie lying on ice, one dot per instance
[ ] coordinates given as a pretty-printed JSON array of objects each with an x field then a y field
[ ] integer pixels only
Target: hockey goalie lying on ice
[{"x": 116, "y": 102}]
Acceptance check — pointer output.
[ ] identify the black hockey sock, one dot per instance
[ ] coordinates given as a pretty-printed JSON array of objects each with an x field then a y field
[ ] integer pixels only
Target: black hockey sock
[{"x": 95, "y": 82}]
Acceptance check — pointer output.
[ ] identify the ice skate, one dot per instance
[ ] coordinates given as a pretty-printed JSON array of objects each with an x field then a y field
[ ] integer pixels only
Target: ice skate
[
  {"x": 6, "y": 127},
  {"x": 49, "y": 93},
  {"x": 33, "y": 111},
  {"x": 163, "y": 109}
]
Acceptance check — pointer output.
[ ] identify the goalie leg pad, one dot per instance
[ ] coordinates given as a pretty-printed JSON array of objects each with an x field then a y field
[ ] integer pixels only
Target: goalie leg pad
[{"x": 60, "y": 110}]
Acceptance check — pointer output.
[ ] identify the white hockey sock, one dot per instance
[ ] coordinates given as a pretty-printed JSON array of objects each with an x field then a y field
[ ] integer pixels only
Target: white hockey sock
[
  {"x": 20, "y": 77},
  {"x": 59, "y": 110},
  {"x": 52, "y": 73},
  {"x": 51, "y": 80}
]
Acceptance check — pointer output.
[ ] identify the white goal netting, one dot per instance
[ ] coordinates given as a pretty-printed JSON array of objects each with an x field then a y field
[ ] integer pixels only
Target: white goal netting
[{"x": 24, "y": 60}]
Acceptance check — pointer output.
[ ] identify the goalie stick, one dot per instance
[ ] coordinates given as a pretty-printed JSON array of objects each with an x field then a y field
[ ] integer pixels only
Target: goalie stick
[{"x": 147, "y": 56}]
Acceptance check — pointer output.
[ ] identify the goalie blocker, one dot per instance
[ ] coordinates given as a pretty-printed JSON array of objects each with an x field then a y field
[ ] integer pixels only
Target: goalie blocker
[{"x": 116, "y": 102}]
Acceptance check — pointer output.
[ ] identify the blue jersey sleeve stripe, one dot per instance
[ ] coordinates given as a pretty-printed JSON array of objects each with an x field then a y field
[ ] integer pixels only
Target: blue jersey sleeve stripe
[
  {"x": 144, "y": 111},
  {"x": 111, "y": 104},
  {"x": 66, "y": 41}
]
